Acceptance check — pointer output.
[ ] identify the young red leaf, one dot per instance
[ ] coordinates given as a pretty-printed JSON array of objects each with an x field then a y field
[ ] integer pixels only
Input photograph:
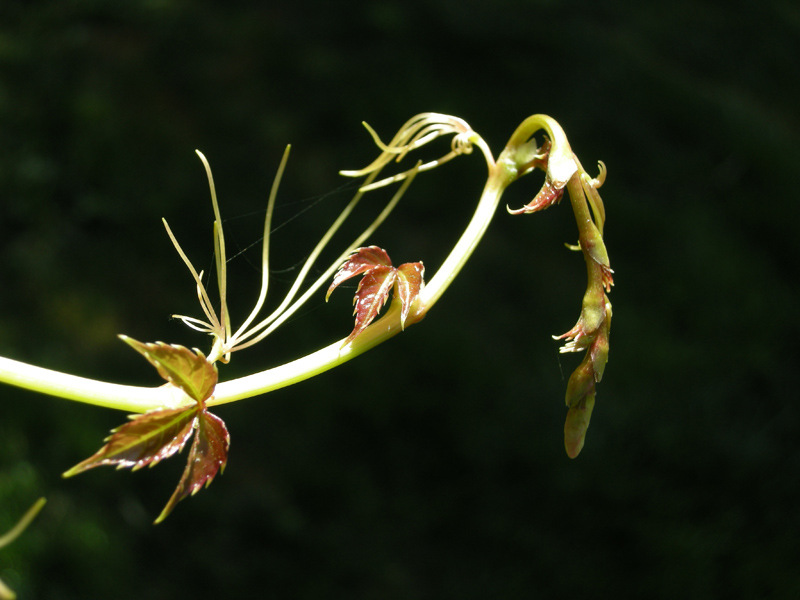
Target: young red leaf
[
  {"x": 409, "y": 283},
  {"x": 372, "y": 293},
  {"x": 379, "y": 276},
  {"x": 361, "y": 261},
  {"x": 190, "y": 371},
  {"x": 152, "y": 437},
  {"x": 146, "y": 440},
  {"x": 208, "y": 455},
  {"x": 549, "y": 194}
]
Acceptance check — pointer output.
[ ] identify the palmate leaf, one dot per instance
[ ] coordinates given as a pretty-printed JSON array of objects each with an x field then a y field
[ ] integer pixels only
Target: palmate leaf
[
  {"x": 149, "y": 438},
  {"x": 379, "y": 277},
  {"x": 189, "y": 370}
]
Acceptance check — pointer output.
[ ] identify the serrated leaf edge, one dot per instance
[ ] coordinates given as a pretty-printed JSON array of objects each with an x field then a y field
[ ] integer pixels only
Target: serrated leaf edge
[{"x": 199, "y": 393}]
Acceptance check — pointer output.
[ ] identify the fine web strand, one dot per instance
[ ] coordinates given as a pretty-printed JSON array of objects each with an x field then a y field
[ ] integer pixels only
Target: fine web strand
[
  {"x": 279, "y": 317},
  {"x": 305, "y": 269},
  {"x": 265, "y": 247}
]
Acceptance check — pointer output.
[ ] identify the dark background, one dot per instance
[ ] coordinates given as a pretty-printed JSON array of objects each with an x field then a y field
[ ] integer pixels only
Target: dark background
[{"x": 432, "y": 467}]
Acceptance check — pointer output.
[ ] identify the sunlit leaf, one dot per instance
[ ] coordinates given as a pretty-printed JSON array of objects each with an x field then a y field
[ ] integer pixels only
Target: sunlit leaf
[
  {"x": 144, "y": 441},
  {"x": 372, "y": 293},
  {"x": 207, "y": 457},
  {"x": 361, "y": 261},
  {"x": 154, "y": 436},
  {"x": 189, "y": 370},
  {"x": 409, "y": 283},
  {"x": 378, "y": 278}
]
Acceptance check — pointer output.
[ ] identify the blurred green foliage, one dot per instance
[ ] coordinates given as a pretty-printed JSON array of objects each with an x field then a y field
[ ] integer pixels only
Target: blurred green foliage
[{"x": 687, "y": 486}]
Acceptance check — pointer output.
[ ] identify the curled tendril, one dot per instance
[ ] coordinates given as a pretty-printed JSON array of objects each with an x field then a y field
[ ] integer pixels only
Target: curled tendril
[
  {"x": 462, "y": 143},
  {"x": 415, "y": 133}
]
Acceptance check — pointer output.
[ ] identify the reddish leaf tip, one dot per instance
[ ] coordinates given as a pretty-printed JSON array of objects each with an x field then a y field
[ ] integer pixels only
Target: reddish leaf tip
[{"x": 207, "y": 457}]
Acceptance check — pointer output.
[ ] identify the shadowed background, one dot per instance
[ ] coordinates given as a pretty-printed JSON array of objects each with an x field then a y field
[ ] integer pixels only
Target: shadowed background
[{"x": 432, "y": 467}]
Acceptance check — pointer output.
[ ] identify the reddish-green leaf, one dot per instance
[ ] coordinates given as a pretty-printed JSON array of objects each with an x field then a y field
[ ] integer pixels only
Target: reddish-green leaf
[
  {"x": 188, "y": 370},
  {"x": 208, "y": 455},
  {"x": 409, "y": 283},
  {"x": 379, "y": 277},
  {"x": 154, "y": 436},
  {"x": 549, "y": 194},
  {"x": 371, "y": 295},
  {"x": 146, "y": 440},
  {"x": 361, "y": 261}
]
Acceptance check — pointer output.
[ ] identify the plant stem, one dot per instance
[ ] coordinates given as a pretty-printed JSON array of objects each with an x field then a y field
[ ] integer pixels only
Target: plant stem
[
  {"x": 81, "y": 389},
  {"x": 515, "y": 161},
  {"x": 141, "y": 399},
  {"x": 499, "y": 178},
  {"x": 26, "y": 519}
]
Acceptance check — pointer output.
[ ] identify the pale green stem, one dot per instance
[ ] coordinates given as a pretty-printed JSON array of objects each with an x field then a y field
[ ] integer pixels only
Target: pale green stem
[
  {"x": 389, "y": 325},
  {"x": 499, "y": 178},
  {"x": 310, "y": 365},
  {"x": 129, "y": 398},
  {"x": 23, "y": 523},
  {"x": 219, "y": 249},
  {"x": 5, "y": 592},
  {"x": 510, "y": 166},
  {"x": 141, "y": 399}
]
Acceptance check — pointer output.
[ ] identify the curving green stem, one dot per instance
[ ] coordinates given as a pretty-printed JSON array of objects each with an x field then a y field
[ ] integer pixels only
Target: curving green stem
[
  {"x": 514, "y": 162},
  {"x": 141, "y": 399}
]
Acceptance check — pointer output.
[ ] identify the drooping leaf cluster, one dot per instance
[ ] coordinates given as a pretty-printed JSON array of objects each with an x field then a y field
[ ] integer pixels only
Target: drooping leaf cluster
[{"x": 591, "y": 332}]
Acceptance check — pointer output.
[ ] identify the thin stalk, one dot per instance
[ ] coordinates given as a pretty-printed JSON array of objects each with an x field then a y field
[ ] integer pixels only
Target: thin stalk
[
  {"x": 23, "y": 523},
  {"x": 262, "y": 295},
  {"x": 141, "y": 399},
  {"x": 205, "y": 301},
  {"x": 219, "y": 249},
  {"x": 325, "y": 277}
]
